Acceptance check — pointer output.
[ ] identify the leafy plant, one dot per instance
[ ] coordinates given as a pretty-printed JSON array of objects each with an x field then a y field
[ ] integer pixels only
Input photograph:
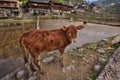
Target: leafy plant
[
  {"x": 60, "y": 1},
  {"x": 23, "y": 2}
]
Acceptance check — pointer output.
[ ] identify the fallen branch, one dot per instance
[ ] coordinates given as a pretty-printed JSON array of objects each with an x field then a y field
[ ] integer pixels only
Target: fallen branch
[{"x": 114, "y": 40}]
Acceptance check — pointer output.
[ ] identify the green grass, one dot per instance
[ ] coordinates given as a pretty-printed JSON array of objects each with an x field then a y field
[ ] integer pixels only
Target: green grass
[
  {"x": 9, "y": 41},
  {"x": 17, "y": 20}
]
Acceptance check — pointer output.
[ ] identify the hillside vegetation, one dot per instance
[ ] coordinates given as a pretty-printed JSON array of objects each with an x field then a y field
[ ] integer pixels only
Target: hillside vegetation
[
  {"x": 115, "y": 9},
  {"x": 110, "y": 6}
]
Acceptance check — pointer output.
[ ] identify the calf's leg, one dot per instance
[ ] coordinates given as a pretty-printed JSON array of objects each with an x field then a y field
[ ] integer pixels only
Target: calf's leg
[
  {"x": 34, "y": 61},
  {"x": 37, "y": 61},
  {"x": 25, "y": 59},
  {"x": 31, "y": 63},
  {"x": 61, "y": 56}
]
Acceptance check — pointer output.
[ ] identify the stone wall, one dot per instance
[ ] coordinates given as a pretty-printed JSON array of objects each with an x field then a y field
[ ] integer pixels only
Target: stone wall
[{"x": 112, "y": 68}]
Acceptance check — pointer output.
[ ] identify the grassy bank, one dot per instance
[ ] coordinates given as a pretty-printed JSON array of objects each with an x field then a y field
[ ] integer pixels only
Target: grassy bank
[
  {"x": 17, "y": 22},
  {"x": 99, "y": 18},
  {"x": 9, "y": 40}
]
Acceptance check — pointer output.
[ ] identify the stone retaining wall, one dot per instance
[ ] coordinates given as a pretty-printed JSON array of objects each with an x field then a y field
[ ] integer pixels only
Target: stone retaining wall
[{"x": 112, "y": 69}]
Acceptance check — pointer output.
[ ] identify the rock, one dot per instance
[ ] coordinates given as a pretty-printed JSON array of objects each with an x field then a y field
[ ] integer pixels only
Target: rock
[
  {"x": 110, "y": 48},
  {"x": 7, "y": 77},
  {"x": 53, "y": 52},
  {"x": 70, "y": 67},
  {"x": 81, "y": 49},
  {"x": 49, "y": 53},
  {"x": 48, "y": 59},
  {"x": 32, "y": 78},
  {"x": 73, "y": 61},
  {"x": 118, "y": 75},
  {"x": 88, "y": 79},
  {"x": 91, "y": 55},
  {"x": 100, "y": 77},
  {"x": 101, "y": 59},
  {"x": 75, "y": 49},
  {"x": 12, "y": 63},
  {"x": 105, "y": 39},
  {"x": 85, "y": 59},
  {"x": 97, "y": 67},
  {"x": 101, "y": 50},
  {"x": 20, "y": 74}
]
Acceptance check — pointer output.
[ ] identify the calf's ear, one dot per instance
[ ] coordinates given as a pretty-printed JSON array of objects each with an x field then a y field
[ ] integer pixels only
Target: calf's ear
[
  {"x": 64, "y": 28},
  {"x": 80, "y": 27}
]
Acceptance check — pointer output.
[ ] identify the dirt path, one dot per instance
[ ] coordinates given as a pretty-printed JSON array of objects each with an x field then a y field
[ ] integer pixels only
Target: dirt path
[{"x": 91, "y": 32}]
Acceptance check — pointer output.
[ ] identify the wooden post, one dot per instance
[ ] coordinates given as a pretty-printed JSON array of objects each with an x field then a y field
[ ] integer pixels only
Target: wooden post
[
  {"x": 20, "y": 9},
  {"x": 38, "y": 22}
]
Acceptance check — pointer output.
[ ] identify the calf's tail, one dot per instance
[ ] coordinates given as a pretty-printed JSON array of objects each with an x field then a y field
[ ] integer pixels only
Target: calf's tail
[{"x": 23, "y": 50}]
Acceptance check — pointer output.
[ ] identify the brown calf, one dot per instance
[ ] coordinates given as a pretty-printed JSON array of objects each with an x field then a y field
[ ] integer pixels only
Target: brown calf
[{"x": 37, "y": 41}]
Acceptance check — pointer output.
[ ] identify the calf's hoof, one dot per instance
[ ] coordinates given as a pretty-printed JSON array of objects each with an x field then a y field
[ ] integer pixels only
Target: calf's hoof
[
  {"x": 34, "y": 70},
  {"x": 63, "y": 70}
]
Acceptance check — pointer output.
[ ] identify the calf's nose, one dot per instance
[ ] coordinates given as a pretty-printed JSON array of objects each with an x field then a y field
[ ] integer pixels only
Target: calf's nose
[{"x": 74, "y": 40}]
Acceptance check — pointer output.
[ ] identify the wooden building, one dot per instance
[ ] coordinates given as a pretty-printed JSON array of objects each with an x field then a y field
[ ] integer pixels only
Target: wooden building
[
  {"x": 82, "y": 7},
  {"x": 38, "y": 6},
  {"x": 9, "y": 8},
  {"x": 59, "y": 7},
  {"x": 42, "y": 7}
]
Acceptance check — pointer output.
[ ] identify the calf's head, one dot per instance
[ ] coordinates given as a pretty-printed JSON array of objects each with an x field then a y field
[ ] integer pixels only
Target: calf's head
[{"x": 71, "y": 32}]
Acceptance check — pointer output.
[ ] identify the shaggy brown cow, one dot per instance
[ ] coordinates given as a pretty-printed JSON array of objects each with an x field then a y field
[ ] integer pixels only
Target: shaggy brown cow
[{"x": 37, "y": 41}]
